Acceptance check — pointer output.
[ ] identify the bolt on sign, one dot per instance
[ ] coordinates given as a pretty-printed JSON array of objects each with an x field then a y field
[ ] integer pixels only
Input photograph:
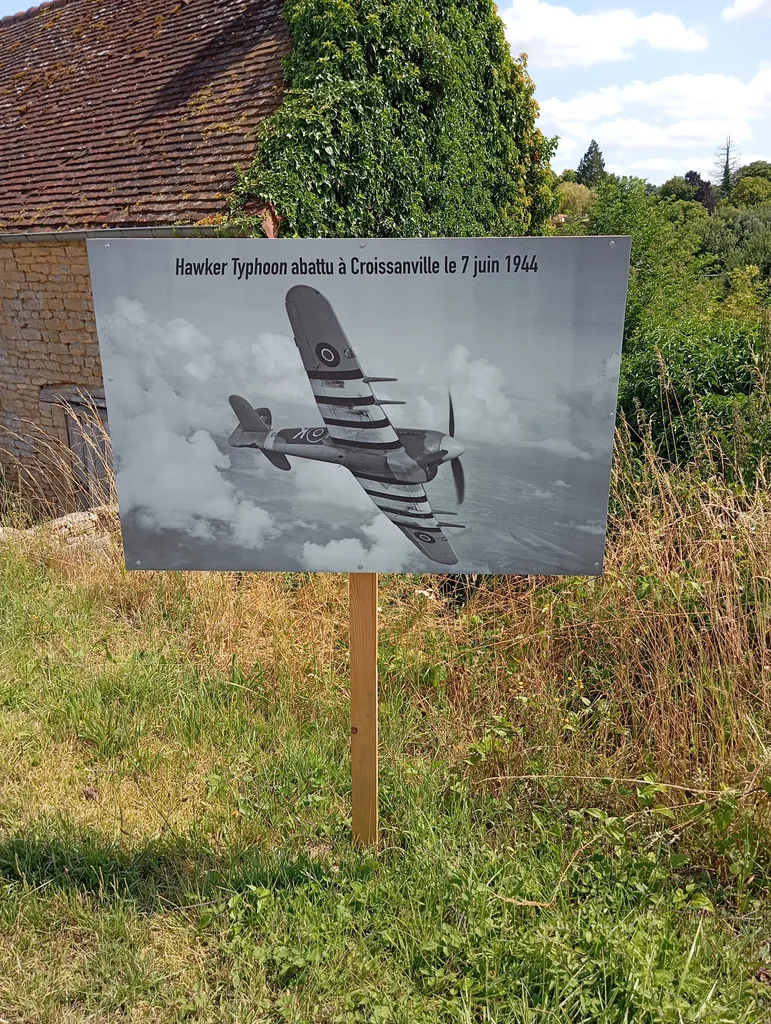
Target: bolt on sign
[{"x": 347, "y": 405}]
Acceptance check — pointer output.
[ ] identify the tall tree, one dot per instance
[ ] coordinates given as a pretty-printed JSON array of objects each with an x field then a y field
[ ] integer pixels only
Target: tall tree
[
  {"x": 591, "y": 169},
  {"x": 726, "y": 163}
]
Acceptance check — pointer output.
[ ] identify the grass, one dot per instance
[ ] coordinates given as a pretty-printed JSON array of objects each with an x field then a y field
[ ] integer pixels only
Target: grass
[{"x": 575, "y": 779}]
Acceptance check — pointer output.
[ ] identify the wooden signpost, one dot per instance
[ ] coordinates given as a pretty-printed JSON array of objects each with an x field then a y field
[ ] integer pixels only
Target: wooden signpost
[
  {"x": 362, "y": 591},
  {"x": 412, "y": 305}
]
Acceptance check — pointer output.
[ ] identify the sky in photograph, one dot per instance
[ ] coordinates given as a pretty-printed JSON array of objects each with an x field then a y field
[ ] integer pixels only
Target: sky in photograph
[{"x": 658, "y": 83}]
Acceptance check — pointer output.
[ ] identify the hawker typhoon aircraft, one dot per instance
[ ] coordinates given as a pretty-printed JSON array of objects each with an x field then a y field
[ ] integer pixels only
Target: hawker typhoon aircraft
[{"x": 391, "y": 464}]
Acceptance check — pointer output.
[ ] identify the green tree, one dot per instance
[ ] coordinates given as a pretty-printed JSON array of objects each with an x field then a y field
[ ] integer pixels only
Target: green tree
[
  {"x": 678, "y": 188},
  {"x": 591, "y": 169},
  {"x": 402, "y": 117},
  {"x": 752, "y": 192},
  {"x": 575, "y": 200},
  {"x": 756, "y": 169},
  {"x": 665, "y": 272},
  {"x": 568, "y": 175}
]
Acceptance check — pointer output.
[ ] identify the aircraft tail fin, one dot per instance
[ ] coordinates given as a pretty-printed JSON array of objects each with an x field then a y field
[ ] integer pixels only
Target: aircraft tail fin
[
  {"x": 248, "y": 417},
  {"x": 256, "y": 421}
]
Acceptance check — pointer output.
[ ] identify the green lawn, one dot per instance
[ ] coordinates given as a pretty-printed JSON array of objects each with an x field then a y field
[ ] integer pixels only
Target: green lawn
[{"x": 175, "y": 831}]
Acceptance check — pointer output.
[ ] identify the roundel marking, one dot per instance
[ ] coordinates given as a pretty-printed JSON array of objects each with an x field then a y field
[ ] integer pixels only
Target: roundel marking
[
  {"x": 328, "y": 355},
  {"x": 425, "y": 538},
  {"x": 317, "y": 434}
]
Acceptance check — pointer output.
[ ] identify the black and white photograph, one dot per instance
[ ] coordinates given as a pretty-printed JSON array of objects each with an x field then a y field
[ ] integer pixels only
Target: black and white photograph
[{"x": 347, "y": 405}]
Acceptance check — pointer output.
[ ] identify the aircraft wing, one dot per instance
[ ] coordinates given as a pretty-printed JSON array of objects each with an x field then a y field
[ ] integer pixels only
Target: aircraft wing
[
  {"x": 408, "y": 507},
  {"x": 342, "y": 392},
  {"x": 356, "y": 419}
]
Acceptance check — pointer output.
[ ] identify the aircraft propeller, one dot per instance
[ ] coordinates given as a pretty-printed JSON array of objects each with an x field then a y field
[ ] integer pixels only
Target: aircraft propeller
[{"x": 458, "y": 475}]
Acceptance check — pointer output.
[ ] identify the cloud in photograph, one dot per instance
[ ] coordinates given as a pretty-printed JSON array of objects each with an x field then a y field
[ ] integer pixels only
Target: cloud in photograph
[
  {"x": 318, "y": 483},
  {"x": 168, "y": 396},
  {"x": 383, "y": 545},
  {"x": 483, "y": 409},
  {"x": 560, "y": 447}
]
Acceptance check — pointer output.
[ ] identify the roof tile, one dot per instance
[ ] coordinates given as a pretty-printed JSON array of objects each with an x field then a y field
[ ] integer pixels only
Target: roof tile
[{"x": 132, "y": 113}]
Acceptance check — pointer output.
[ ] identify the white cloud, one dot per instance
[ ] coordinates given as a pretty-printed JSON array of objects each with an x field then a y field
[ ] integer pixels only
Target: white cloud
[
  {"x": 676, "y": 112},
  {"x": 557, "y": 37},
  {"x": 631, "y": 133},
  {"x": 747, "y": 9},
  {"x": 167, "y": 398},
  {"x": 688, "y": 98}
]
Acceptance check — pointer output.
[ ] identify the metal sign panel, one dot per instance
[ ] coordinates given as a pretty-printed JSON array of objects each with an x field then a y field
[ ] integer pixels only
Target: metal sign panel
[{"x": 377, "y": 405}]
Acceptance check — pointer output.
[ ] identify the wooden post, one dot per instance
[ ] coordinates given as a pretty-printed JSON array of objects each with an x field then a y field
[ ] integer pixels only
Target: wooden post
[{"x": 362, "y": 592}]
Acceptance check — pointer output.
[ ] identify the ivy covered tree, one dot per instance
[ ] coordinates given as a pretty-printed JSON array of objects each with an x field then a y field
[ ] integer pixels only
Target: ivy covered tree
[
  {"x": 401, "y": 117},
  {"x": 726, "y": 162},
  {"x": 591, "y": 169}
]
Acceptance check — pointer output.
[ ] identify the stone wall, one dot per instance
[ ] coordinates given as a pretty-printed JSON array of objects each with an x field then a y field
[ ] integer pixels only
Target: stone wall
[{"x": 47, "y": 340}]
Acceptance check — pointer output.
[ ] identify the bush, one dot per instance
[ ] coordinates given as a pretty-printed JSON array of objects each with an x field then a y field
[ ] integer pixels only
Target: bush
[
  {"x": 739, "y": 237},
  {"x": 697, "y": 385}
]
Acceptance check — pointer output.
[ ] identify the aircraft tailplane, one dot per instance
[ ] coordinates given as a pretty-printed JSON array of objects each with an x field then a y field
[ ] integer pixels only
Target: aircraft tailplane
[{"x": 277, "y": 460}]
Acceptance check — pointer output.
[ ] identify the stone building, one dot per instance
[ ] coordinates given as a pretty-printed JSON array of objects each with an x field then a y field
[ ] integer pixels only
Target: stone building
[{"x": 115, "y": 117}]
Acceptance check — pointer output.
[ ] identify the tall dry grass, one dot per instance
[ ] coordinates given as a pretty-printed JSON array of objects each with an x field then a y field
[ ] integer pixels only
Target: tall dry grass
[{"x": 661, "y": 665}]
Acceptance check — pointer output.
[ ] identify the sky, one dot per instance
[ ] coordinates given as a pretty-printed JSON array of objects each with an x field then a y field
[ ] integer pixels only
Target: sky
[{"x": 658, "y": 83}]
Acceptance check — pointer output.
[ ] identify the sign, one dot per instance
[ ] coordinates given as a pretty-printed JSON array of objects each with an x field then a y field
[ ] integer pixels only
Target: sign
[{"x": 348, "y": 405}]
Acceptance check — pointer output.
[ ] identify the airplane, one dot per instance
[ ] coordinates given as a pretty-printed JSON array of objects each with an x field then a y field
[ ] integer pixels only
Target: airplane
[{"x": 391, "y": 464}]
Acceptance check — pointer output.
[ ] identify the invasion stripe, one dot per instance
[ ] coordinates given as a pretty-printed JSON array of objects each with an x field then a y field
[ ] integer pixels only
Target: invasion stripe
[
  {"x": 335, "y": 375},
  {"x": 395, "y": 497},
  {"x": 418, "y": 527},
  {"x": 406, "y": 512},
  {"x": 330, "y": 400},
  {"x": 359, "y": 424},
  {"x": 382, "y": 446},
  {"x": 378, "y": 479}
]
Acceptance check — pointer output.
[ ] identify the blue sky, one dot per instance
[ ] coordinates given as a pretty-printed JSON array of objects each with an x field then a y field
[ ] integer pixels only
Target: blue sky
[{"x": 658, "y": 83}]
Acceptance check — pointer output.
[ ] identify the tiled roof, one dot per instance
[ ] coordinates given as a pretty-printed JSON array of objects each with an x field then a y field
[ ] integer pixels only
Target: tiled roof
[{"x": 132, "y": 112}]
